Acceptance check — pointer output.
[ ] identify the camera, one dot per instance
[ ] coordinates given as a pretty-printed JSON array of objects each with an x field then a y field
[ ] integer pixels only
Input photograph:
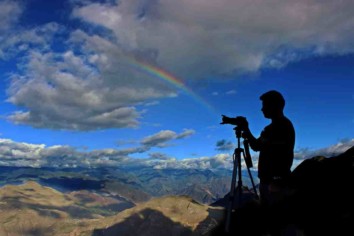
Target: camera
[{"x": 238, "y": 121}]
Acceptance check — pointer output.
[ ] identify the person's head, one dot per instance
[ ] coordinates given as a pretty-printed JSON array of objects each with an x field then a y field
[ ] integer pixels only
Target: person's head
[{"x": 272, "y": 104}]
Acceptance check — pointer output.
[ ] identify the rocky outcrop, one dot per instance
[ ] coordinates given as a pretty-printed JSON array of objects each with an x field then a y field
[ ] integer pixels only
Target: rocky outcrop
[
  {"x": 322, "y": 201},
  {"x": 170, "y": 215},
  {"x": 319, "y": 201}
]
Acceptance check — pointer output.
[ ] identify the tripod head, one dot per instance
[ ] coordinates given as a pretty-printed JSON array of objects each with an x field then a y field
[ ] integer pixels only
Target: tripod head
[
  {"x": 247, "y": 155},
  {"x": 238, "y": 132}
]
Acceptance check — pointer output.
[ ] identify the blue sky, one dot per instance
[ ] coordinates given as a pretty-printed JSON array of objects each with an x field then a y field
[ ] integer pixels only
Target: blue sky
[{"x": 69, "y": 88}]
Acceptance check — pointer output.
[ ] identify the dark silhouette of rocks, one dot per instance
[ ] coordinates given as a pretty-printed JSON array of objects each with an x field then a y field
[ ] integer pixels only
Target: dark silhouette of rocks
[
  {"x": 318, "y": 202},
  {"x": 322, "y": 201}
]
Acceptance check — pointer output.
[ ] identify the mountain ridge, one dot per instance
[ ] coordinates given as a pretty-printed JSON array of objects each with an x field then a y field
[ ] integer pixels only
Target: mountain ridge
[
  {"x": 32, "y": 209},
  {"x": 134, "y": 184}
]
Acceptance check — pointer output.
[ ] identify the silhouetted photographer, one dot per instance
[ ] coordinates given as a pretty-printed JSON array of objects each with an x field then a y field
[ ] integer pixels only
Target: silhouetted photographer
[{"x": 275, "y": 146}]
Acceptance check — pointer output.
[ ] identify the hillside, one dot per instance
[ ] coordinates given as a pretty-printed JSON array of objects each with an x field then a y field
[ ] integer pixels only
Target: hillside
[
  {"x": 168, "y": 215},
  {"x": 32, "y": 209},
  {"x": 133, "y": 184}
]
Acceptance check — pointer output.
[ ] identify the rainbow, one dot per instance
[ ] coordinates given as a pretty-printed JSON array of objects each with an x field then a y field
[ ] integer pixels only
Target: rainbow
[{"x": 163, "y": 75}]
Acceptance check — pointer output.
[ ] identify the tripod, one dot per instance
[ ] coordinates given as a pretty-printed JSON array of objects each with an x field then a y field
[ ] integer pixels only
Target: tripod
[{"x": 236, "y": 172}]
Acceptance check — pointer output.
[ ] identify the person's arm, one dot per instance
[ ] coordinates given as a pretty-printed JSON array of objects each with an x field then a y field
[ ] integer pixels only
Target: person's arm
[{"x": 254, "y": 142}]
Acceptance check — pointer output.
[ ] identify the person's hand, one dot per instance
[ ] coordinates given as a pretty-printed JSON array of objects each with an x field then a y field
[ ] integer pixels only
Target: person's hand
[{"x": 242, "y": 123}]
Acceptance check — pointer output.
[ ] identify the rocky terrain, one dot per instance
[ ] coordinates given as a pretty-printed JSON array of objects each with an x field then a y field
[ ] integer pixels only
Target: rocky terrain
[
  {"x": 31, "y": 209},
  {"x": 133, "y": 184},
  {"x": 79, "y": 201}
]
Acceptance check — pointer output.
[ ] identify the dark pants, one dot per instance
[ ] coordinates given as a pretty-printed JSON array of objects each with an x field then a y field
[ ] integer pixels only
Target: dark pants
[
  {"x": 271, "y": 195},
  {"x": 265, "y": 193},
  {"x": 272, "y": 191}
]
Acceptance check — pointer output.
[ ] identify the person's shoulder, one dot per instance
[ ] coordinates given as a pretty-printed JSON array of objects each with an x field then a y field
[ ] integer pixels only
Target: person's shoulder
[
  {"x": 284, "y": 122},
  {"x": 287, "y": 122}
]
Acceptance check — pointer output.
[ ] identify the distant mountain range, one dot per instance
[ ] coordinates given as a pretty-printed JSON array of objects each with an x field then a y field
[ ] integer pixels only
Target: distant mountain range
[
  {"x": 104, "y": 201},
  {"x": 132, "y": 184}
]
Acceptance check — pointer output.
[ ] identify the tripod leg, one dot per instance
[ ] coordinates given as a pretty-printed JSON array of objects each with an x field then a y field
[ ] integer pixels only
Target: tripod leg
[
  {"x": 249, "y": 164},
  {"x": 253, "y": 185},
  {"x": 239, "y": 184},
  {"x": 231, "y": 194}
]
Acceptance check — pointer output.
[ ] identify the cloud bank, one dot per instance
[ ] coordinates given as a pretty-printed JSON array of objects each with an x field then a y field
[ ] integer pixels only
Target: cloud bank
[
  {"x": 96, "y": 82},
  {"x": 330, "y": 151},
  {"x": 219, "y": 37},
  {"x": 39, "y": 155},
  {"x": 14, "y": 153}
]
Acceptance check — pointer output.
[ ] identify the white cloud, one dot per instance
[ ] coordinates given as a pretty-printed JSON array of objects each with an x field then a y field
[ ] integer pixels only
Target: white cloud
[
  {"x": 75, "y": 96},
  {"x": 81, "y": 91},
  {"x": 10, "y": 150},
  {"x": 98, "y": 81},
  {"x": 224, "y": 145},
  {"x": 9, "y": 13},
  {"x": 330, "y": 151},
  {"x": 162, "y": 138},
  {"x": 231, "y": 92},
  {"x": 36, "y": 155},
  {"x": 153, "y": 103},
  {"x": 15, "y": 40},
  {"x": 216, "y": 37},
  {"x": 159, "y": 156},
  {"x": 186, "y": 133},
  {"x": 219, "y": 161},
  {"x": 159, "y": 139}
]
